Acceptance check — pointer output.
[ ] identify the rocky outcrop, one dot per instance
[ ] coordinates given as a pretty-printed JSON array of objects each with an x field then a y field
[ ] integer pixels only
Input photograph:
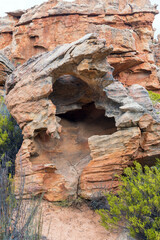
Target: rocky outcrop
[
  {"x": 80, "y": 126},
  {"x": 127, "y": 25}
]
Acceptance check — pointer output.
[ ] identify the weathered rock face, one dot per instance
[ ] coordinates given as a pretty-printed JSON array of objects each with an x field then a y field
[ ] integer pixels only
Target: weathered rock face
[
  {"x": 80, "y": 126},
  {"x": 127, "y": 25}
]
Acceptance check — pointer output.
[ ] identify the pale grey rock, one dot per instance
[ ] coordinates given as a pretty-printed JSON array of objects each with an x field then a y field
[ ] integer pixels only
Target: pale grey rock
[
  {"x": 4, "y": 60},
  {"x": 116, "y": 92},
  {"x": 128, "y": 105},
  {"x": 125, "y": 236},
  {"x": 132, "y": 107},
  {"x": 141, "y": 96},
  {"x": 18, "y": 13},
  {"x": 128, "y": 119}
]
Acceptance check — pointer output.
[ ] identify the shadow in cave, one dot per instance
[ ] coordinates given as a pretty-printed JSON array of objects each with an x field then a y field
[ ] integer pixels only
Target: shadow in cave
[{"x": 89, "y": 121}]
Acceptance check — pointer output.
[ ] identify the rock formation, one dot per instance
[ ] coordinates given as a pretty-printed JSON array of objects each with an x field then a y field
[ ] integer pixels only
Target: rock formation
[
  {"x": 84, "y": 118},
  {"x": 126, "y": 24},
  {"x": 80, "y": 125}
]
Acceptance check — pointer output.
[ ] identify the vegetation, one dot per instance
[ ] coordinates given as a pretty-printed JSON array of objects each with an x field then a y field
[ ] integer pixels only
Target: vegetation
[
  {"x": 10, "y": 137},
  {"x": 19, "y": 220},
  {"x": 155, "y": 97},
  {"x": 70, "y": 203},
  {"x": 137, "y": 203}
]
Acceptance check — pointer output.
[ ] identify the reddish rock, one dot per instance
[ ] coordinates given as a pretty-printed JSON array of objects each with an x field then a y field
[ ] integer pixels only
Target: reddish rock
[
  {"x": 110, "y": 155},
  {"x": 124, "y": 24}
]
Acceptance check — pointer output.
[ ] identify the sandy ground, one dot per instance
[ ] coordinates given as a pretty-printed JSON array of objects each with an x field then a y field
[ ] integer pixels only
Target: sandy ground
[{"x": 68, "y": 223}]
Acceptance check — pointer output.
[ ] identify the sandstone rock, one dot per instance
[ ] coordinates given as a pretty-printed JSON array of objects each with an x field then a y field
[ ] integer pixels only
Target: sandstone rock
[
  {"x": 110, "y": 155},
  {"x": 80, "y": 126},
  {"x": 124, "y": 24}
]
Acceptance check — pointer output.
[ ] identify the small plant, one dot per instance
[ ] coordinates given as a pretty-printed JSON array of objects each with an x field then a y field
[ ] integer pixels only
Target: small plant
[
  {"x": 70, "y": 202},
  {"x": 18, "y": 64},
  {"x": 155, "y": 97},
  {"x": 137, "y": 203}
]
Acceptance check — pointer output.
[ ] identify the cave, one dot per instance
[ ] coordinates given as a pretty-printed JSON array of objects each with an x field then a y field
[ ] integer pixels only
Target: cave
[
  {"x": 79, "y": 119},
  {"x": 76, "y": 112}
]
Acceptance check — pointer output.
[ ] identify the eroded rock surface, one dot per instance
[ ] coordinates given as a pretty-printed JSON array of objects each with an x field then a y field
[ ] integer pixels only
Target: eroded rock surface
[
  {"x": 126, "y": 24},
  {"x": 80, "y": 125}
]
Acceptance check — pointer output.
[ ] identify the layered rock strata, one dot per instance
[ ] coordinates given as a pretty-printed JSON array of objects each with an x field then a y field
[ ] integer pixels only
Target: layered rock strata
[
  {"x": 126, "y": 24},
  {"x": 80, "y": 126}
]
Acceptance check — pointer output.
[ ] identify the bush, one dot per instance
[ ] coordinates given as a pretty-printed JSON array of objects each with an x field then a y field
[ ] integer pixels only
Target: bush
[
  {"x": 19, "y": 220},
  {"x": 137, "y": 203},
  {"x": 155, "y": 97},
  {"x": 10, "y": 137}
]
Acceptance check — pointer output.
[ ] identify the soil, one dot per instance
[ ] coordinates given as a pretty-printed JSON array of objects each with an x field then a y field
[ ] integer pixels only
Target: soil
[{"x": 71, "y": 223}]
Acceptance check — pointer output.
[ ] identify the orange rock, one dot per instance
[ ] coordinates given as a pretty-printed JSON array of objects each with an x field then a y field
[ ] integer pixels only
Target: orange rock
[{"x": 110, "y": 155}]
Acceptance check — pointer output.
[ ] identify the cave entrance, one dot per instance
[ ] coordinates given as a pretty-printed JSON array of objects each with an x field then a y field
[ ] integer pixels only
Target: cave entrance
[
  {"x": 79, "y": 118},
  {"x": 76, "y": 112}
]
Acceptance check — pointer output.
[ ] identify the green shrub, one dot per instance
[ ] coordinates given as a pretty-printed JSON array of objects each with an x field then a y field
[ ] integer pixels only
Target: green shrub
[
  {"x": 137, "y": 203},
  {"x": 155, "y": 97}
]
